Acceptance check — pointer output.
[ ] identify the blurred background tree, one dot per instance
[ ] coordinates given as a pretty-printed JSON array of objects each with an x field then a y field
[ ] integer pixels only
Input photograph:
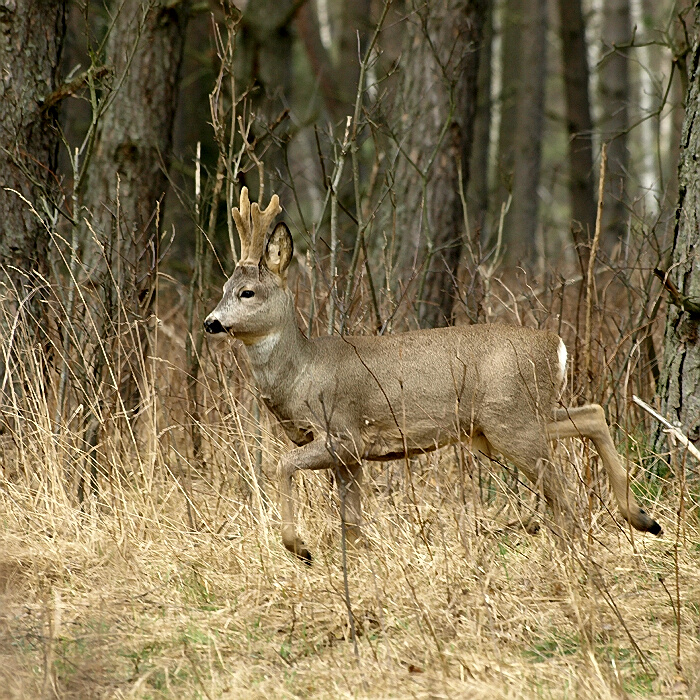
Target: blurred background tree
[
  {"x": 434, "y": 111},
  {"x": 123, "y": 189},
  {"x": 523, "y": 62},
  {"x": 614, "y": 86}
]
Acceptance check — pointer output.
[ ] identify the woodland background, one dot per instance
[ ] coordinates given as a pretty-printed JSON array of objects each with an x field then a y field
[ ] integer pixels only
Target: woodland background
[{"x": 456, "y": 161}]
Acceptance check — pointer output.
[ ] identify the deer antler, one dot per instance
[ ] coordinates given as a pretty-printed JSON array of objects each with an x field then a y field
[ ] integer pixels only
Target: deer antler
[{"x": 252, "y": 224}]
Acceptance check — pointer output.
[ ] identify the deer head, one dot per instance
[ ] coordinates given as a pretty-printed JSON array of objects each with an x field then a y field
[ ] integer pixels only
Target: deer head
[{"x": 255, "y": 299}]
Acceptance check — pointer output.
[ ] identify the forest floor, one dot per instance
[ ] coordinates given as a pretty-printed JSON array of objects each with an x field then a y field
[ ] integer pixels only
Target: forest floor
[{"x": 449, "y": 599}]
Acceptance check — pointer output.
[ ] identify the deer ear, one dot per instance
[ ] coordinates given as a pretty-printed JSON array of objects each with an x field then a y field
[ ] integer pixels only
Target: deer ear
[{"x": 279, "y": 250}]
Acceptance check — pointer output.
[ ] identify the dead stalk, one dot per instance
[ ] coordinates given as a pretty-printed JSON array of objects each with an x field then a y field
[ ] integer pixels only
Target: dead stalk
[
  {"x": 333, "y": 190},
  {"x": 590, "y": 276}
]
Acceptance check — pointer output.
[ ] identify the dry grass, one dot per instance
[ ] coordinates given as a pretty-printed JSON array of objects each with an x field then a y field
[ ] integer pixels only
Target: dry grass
[
  {"x": 170, "y": 581},
  {"x": 123, "y": 598}
]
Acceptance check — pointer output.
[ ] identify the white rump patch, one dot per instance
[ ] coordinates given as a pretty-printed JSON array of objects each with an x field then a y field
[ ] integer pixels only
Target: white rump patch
[{"x": 562, "y": 362}]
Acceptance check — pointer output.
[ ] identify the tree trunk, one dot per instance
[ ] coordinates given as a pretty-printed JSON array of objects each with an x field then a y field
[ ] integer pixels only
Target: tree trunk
[
  {"x": 614, "y": 98},
  {"x": 436, "y": 104},
  {"x": 481, "y": 149},
  {"x": 520, "y": 226},
  {"x": 31, "y": 35},
  {"x": 134, "y": 140},
  {"x": 679, "y": 385},
  {"x": 127, "y": 175},
  {"x": 579, "y": 126},
  {"x": 671, "y": 145},
  {"x": 510, "y": 57}
]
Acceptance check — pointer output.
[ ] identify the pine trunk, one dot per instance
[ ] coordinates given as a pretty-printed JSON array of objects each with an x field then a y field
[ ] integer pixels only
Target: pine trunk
[
  {"x": 127, "y": 176},
  {"x": 31, "y": 37},
  {"x": 520, "y": 227},
  {"x": 614, "y": 98}
]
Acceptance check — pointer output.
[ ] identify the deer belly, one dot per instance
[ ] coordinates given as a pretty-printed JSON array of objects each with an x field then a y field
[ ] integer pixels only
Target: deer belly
[{"x": 384, "y": 441}]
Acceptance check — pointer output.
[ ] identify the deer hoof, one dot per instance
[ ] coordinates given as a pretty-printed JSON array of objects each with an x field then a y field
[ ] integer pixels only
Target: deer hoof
[
  {"x": 641, "y": 521},
  {"x": 300, "y": 551},
  {"x": 532, "y": 526}
]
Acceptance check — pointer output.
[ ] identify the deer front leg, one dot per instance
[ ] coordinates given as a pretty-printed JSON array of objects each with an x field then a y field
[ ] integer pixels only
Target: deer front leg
[{"x": 321, "y": 453}]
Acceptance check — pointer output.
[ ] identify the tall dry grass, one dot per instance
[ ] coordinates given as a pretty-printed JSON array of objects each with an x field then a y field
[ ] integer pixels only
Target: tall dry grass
[{"x": 132, "y": 565}]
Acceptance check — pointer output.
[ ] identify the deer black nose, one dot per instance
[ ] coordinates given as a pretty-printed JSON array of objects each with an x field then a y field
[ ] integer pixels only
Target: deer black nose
[{"x": 213, "y": 326}]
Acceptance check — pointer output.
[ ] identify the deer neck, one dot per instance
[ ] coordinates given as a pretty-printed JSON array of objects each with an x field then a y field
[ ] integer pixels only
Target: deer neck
[{"x": 278, "y": 359}]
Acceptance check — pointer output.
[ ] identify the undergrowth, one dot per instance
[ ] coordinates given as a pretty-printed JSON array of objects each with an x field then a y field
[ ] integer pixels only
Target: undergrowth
[{"x": 167, "y": 579}]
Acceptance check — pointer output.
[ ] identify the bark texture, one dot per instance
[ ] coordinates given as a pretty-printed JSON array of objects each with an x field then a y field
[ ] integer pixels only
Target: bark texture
[
  {"x": 134, "y": 139},
  {"x": 579, "y": 125},
  {"x": 31, "y": 36},
  {"x": 679, "y": 386},
  {"x": 436, "y": 104}
]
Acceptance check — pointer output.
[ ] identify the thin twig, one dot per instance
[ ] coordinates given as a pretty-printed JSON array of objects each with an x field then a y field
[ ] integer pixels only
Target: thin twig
[
  {"x": 669, "y": 427},
  {"x": 591, "y": 267},
  {"x": 334, "y": 224}
]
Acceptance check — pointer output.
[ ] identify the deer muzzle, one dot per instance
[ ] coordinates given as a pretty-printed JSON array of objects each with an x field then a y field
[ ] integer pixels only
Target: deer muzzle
[{"x": 213, "y": 325}]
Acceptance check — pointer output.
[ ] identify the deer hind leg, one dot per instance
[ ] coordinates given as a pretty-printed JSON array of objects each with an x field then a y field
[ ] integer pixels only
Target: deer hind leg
[
  {"x": 589, "y": 421},
  {"x": 528, "y": 448},
  {"x": 483, "y": 449}
]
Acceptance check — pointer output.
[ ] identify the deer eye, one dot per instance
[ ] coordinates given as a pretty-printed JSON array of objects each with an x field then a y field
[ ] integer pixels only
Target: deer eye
[{"x": 247, "y": 294}]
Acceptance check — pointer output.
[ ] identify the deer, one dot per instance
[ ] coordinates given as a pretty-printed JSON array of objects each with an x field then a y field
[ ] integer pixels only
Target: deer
[{"x": 344, "y": 399}]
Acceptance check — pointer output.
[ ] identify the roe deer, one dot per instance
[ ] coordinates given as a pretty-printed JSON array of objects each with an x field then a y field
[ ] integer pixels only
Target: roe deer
[{"x": 342, "y": 399}]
